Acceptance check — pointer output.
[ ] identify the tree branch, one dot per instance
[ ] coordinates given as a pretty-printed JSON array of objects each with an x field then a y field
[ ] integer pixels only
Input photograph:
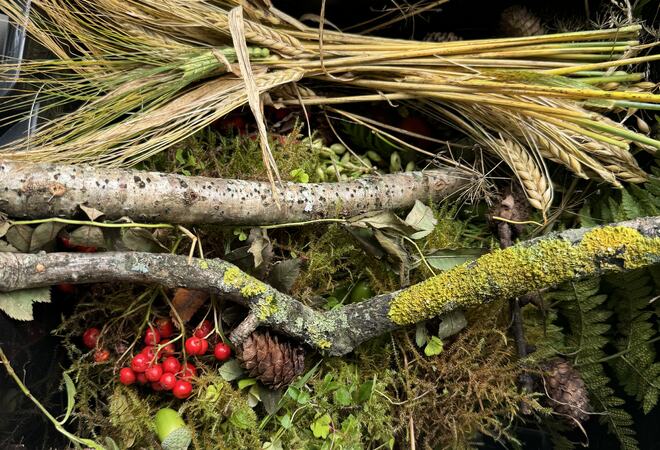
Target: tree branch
[
  {"x": 45, "y": 190},
  {"x": 533, "y": 265}
]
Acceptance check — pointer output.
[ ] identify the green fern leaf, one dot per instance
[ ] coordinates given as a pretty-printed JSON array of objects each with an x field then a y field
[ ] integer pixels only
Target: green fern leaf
[
  {"x": 586, "y": 313},
  {"x": 636, "y": 368}
]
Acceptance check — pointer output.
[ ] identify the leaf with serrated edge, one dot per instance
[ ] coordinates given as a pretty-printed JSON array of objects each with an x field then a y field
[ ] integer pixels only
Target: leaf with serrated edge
[
  {"x": 283, "y": 275},
  {"x": 231, "y": 370},
  {"x": 18, "y": 304}
]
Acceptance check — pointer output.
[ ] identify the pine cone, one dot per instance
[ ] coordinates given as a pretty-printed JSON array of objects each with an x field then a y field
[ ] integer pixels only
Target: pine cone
[
  {"x": 273, "y": 362},
  {"x": 442, "y": 36},
  {"x": 566, "y": 389},
  {"x": 518, "y": 21}
]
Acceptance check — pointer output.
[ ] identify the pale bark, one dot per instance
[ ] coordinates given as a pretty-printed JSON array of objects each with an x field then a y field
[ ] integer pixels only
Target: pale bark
[
  {"x": 337, "y": 331},
  {"x": 44, "y": 190}
]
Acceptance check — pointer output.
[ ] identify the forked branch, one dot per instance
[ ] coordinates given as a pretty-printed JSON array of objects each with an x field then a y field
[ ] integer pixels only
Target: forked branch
[{"x": 532, "y": 265}]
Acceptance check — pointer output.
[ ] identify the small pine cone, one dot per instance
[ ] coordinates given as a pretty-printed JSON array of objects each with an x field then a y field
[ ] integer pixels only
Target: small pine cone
[
  {"x": 567, "y": 391},
  {"x": 273, "y": 362},
  {"x": 518, "y": 21},
  {"x": 442, "y": 36}
]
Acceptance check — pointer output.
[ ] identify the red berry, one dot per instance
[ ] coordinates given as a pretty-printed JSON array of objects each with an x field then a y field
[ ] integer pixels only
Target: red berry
[
  {"x": 156, "y": 386},
  {"x": 182, "y": 389},
  {"x": 152, "y": 337},
  {"x": 150, "y": 352},
  {"x": 167, "y": 349},
  {"x": 141, "y": 378},
  {"x": 165, "y": 327},
  {"x": 91, "y": 337},
  {"x": 66, "y": 242},
  {"x": 204, "y": 329},
  {"x": 126, "y": 376},
  {"x": 171, "y": 365},
  {"x": 140, "y": 362},
  {"x": 154, "y": 373},
  {"x": 84, "y": 249},
  {"x": 66, "y": 288},
  {"x": 102, "y": 355},
  {"x": 222, "y": 352},
  {"x": 194, "y": 345},
  {"x": 205, "y": 347},
  {"x": 188, "y": 371},
  {"x": 167, "y": 381}
]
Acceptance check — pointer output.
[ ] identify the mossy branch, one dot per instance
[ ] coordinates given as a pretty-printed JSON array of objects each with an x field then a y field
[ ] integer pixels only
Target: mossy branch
[
  {"x": 502, "y": 274},
  {"x": 46, "y": 190}
]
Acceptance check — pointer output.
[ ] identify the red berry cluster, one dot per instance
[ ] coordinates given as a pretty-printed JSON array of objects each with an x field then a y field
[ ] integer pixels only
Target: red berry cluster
[
  {"x": 158, "y": 365},
  {"x": 90, "y": 340}
]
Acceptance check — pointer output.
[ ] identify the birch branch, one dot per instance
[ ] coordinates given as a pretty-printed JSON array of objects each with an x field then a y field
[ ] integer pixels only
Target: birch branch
[
  {"x": 533, "y": 265},
  {"x": 44, "y": 190}
]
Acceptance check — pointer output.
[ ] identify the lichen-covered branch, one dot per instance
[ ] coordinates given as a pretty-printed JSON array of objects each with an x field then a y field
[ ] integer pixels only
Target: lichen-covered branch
[
  {"x": 44, "y": 190},
  {"x": 532, "y": 265}
]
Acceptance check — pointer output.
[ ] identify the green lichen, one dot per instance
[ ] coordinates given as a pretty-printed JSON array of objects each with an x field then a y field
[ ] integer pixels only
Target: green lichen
[
  {"x": 324, "y": 344},
  {"x": 517, "y": 270},
  {"x": 265, "y": 307},
  {"x": 249, "y": 286}
]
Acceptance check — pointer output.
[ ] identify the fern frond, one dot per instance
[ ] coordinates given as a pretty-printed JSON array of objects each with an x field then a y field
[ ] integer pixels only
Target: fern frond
[
  {"x": 584, "y": 309},
  {"x": 636, "y": 367}
]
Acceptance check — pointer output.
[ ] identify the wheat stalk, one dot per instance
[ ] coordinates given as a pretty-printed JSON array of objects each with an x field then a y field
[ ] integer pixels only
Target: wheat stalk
[{"x": 533, "y": 180}]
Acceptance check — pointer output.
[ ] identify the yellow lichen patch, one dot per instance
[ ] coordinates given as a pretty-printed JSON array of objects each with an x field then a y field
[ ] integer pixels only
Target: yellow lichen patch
[
  {"x": 266, "y": 307},
  {"x": 628, "y": 246},
  {"x": 249, "y": 286},
  {"x": 518, "y": 270}
]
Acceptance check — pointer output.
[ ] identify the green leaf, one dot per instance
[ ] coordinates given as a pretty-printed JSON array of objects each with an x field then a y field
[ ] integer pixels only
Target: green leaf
[
  {"x": 451, "y": 323},
  {"x": 70, "y": 397},
  {"x": 366, "y": 390},
  {"x": 285, "y": 421},
  {"x": 421, "y": 334},
  {"x": 321, "y": 426},
  {"x": 434, "y": 347},
  {"x": 392, "y": 246},
  {"x": 87, "y": 236},
  {"x": 299, "y": 175},
  {"x": 421, "y": 218},
  {"x": 270, "y": 398},
  {"x": 231, "y": 370},
  {"x": 446, "y": 259},
  {"x": 245, "y": 382},
  {"x": 253, "y": 397},
  {"x": 20, "y": 236},
  {"x": 303, "y": 397},
  {"x": 275, "y": 444},
  {"x": 283, "y": 274},
  {"x": 18, "y": 304},
  {"x": 342, "y": 397},
  {"x": 44, "y": 234},
  {"x": 140, "y": 240},
  {"x": 384, "y": 220}
]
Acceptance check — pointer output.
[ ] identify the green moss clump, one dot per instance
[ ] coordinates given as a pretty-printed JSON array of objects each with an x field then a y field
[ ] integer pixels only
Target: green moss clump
[
  {"x": 209, "y": 153},
  {"x": 516, "y": 270}
]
